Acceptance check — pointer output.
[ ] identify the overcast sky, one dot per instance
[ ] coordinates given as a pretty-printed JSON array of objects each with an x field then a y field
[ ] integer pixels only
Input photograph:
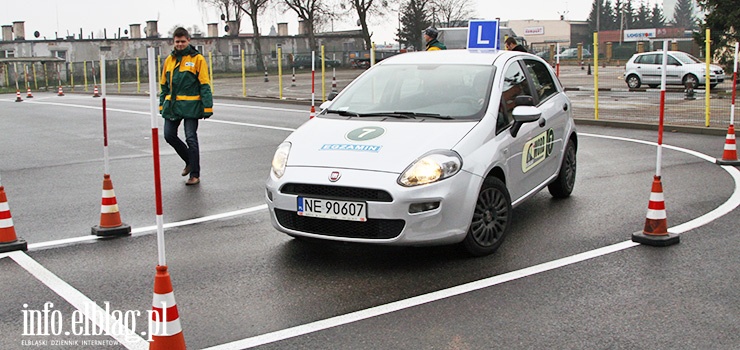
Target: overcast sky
[{"x": 65, "y": 17}]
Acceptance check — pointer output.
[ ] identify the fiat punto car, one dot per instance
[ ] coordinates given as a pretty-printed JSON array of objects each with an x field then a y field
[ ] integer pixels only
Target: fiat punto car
[{"x": 427, "y": 148}]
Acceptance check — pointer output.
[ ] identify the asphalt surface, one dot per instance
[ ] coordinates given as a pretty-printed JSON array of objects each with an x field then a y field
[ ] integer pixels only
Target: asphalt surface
[{"x": 567, "y": 277}]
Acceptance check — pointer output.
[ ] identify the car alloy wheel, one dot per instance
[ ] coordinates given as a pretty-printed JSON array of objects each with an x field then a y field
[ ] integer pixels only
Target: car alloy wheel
[
  {"x": 633, "y": 81},
  {"x": 491, "y": 218},
  {"x": 691, "y": 80},
  {"x": 566, "y": 180}
]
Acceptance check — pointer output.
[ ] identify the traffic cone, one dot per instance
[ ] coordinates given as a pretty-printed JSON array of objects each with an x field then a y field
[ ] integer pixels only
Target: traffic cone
[
  {"x": 110, "y": 218},
  {"x": 729, "y": 156},
  {"x": 656, "y": 227},
  {"x": 313, "y": 112},
  {"x": 95, "y": 92},
  {"x": 8, "y": 240},
  {"x": 60, "y": 92},
  {"x": 164, "y": 327},
  {"x": 28, "y": 93},
  {"x": 18, "y": 96}
]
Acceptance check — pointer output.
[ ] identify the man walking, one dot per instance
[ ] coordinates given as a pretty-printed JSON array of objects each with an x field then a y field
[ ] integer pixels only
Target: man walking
[{"x": 186, "y": 97}]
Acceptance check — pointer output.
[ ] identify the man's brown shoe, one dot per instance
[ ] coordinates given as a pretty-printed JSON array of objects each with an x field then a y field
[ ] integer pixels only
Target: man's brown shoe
[
  {"x": 186, "y": 171},
  {"x": 192, "y": 181}
]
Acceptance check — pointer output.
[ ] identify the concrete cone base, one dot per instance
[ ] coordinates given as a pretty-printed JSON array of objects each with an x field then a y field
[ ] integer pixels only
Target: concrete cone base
[
  {"x": 656, "y": 240},
  {"x": 123, "y": 230}
]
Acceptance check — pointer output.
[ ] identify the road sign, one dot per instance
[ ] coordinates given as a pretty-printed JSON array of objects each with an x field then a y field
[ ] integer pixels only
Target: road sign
[{"x": 483, "y": 35}]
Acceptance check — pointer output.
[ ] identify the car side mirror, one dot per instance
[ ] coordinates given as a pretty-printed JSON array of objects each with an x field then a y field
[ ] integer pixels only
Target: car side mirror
[
  {"x": 523, "y": 115},
  {"x": 331, "y": 96}
]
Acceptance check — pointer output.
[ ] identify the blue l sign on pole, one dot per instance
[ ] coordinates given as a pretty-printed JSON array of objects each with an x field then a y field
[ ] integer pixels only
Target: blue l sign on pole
[{"x": 483, "y": 35}]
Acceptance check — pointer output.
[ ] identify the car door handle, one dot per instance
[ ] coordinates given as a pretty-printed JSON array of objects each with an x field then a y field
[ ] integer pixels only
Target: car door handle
[
  {"x": 543, "y": 122},
  {"x": 565, "y": 107}
]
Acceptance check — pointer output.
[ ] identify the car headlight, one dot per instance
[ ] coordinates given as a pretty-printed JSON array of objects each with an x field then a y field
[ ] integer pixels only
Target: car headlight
[
  {"x": 280, "y": 159},
  {"x": 431, "y": 167}
]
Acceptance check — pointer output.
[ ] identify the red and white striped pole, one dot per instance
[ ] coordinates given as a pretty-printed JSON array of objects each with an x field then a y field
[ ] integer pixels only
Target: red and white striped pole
[
  {"x": 729, "y": 155},
  {"x": 656, "y": 232},
  {"x": 313, "y": 85},
  {"x": 154, "y": 111},
  {"x": 165, "y": 323},
  {"x": 110, "y": 217},
  {"x": 557, "y": 60}
]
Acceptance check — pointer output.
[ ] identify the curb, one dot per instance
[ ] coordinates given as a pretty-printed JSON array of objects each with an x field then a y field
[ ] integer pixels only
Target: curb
[{"x": 653, "y": 127}]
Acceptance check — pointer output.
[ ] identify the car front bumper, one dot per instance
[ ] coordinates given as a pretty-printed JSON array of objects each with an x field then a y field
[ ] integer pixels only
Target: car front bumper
[{"x": 389, "y": 222}]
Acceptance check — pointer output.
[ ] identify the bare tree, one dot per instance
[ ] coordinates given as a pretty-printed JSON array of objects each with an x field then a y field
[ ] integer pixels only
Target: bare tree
[
  {"x": 452, "y": 13},
  {"x": 366, "y": 8},
  {"x": 253, "y": 8},
  {"x": 311, "y": 12},
  {"x": 229, "y": 9}
]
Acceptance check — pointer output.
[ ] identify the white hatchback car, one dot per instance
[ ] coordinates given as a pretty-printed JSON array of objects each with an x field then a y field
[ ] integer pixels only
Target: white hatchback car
[
  {"x": 427, "y": 148},
  {"x": 681, "y": 69}
]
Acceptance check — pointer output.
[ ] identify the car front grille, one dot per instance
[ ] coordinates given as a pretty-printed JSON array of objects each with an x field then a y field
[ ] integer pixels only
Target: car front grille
[
  {"x": 337, "y": 192},
  {"x": 370, "y": 229}
]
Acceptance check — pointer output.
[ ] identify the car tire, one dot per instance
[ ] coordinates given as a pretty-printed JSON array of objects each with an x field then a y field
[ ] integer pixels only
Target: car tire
[
  {"x": 712, "y": 86},
  {"x": 563, "y": 185},
  {"x": 491, "y": 218},
  {"x": 633, "y": 81},
  {"x": 690, "y": 78}
]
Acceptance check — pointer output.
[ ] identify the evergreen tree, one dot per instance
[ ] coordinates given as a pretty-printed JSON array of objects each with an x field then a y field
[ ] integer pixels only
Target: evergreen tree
[
  {"x": 683, "y": 15},
  {"x": 642, "y": 18},
  {"x": 414, "y": 19},
  {"x": 723, "y": 20},
  {"x": 657, "y": 19},
  {"x": 606, "y": 17}
]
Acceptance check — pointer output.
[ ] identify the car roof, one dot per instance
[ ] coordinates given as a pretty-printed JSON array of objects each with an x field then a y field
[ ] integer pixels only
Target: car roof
[{"x": 450, "y": 57}]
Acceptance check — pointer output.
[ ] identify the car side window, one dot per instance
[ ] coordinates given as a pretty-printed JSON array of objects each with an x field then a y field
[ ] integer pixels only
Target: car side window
[
  {"x": 515, "y": 84},
  {"x": 672, "y": 61},
  {"x": 544, "y": 84}
]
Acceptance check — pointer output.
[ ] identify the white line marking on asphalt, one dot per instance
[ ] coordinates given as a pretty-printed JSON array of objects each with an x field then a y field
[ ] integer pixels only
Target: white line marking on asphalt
[
  {"x": 732, "y": 203},
  {"x": 146, "y": 229},
  {"x": 205, "y": 120},
  {"x": 82, "y": 303}
]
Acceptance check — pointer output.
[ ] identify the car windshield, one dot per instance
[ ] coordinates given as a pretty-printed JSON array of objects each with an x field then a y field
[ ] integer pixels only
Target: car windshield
[
  {"x": 418, "y": 91},
  {"x": 686, "y": 58}
]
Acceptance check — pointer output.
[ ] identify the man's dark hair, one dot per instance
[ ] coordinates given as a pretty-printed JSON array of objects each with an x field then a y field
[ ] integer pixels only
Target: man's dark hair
[
  {"x": 510, "y": 40},
  {"x": 180, "y": 32}
]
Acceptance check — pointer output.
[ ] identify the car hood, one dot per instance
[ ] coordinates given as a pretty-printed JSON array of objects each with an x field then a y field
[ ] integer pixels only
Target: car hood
[
  {"x": 393, "y": 145},
  {"x": 701, "y": 66}
]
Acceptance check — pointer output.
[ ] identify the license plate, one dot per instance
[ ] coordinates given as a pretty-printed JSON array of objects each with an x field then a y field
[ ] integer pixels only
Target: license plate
[{"x": 332, "y": 209}]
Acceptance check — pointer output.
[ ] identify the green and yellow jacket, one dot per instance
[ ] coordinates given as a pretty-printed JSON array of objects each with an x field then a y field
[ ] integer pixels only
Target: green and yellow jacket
[{"x": 186, "y": 89}]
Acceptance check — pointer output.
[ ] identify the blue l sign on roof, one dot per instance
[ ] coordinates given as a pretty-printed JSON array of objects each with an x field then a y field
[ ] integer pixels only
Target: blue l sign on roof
[{"x": 483, "y": 35}]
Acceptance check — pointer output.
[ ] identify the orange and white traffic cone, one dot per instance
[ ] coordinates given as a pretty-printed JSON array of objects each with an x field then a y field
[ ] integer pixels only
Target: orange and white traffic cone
[
  {"x": 729, "y": 156},
  {"x": 656, "y": 232},
  {"x": 8, "y": 240},
  {"x": 164, "y": 327},
  {"x": 95, "y": 91},
  {"x": 110, "y": 217},
  {"x": 313, "y": 112},
  {"x": 60, "y": 92},
  {"x": 28, "y": 93},
  {"x": 18, "y": 96}
]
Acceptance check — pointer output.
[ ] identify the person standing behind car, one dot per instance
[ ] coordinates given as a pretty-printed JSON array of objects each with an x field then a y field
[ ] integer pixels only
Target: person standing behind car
[
  {"x": 430, "y": 36},
  {"x": 186, "y": 97},
  {"x": 511, "y": 45}
]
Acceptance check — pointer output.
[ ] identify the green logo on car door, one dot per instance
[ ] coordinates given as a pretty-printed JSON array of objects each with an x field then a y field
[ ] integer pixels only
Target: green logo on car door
[{"x": 365, "y": 133}]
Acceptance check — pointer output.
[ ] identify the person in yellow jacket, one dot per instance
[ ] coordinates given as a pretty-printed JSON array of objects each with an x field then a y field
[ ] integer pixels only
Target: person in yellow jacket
[
  {"x": 186, "y": 97},
  {"x": 430, "y": 36}
]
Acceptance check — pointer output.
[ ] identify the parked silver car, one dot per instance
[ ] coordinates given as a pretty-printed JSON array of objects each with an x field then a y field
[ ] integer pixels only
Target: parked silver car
[
  {"x": 682, "y": 69},
  {"x": 427, "y": 148}
]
